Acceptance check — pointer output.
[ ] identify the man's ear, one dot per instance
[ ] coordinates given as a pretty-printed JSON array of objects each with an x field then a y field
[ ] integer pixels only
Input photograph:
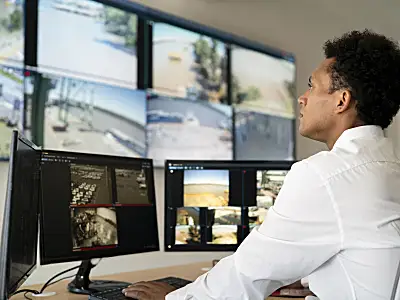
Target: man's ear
[{"x": 344, "y": 101}]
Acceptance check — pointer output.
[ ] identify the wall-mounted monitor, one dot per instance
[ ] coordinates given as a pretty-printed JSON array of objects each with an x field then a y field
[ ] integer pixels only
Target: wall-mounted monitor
[
  {"x": 12, "y": 31},
  {"x": 11, "y": 106},
  {"x": 88, "y": 39},
  {"x": 85, "y": 116},
  {"x": 187, "y": 64},
  {"x": 263, "y": 94},
  {"x": 184, "y": 129}
]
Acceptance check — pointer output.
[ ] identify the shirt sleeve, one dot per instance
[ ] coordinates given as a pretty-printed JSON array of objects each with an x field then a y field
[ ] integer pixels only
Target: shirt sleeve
[{"x": 300, "y": 233}]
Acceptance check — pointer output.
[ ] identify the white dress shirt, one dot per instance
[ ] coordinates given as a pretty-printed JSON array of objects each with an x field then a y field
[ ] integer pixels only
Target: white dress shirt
[{"x": 335, "y": 220}]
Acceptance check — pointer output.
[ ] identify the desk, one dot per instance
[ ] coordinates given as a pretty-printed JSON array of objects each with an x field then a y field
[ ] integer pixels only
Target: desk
[{"x": 190, "y": 272}]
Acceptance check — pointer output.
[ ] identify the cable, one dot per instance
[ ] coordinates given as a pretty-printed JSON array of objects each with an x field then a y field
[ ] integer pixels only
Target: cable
[
  {"x": 26, "y": 297},
  {"x": 49, "y": 282},
  {"x": 55, "y": 276},
  {"x": 26, "y": 291}
]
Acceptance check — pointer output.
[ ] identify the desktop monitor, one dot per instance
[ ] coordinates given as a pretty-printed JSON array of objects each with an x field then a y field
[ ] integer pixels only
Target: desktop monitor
[
  {"x": 213, "y": 205},
  {"x": 96, "y": 206},
  {"x": 20, "y": 219}
]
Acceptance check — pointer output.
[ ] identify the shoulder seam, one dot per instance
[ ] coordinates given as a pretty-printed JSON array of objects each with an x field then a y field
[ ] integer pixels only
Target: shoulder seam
[{"x": 333, "y": 203}]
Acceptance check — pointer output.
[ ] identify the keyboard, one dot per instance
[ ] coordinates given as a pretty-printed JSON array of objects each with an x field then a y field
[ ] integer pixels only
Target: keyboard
[{"x": 116, "y": 294}]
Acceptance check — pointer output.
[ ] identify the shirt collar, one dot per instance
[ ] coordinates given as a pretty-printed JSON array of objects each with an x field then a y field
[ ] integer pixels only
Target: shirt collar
[{"x": 360, "y": 132}]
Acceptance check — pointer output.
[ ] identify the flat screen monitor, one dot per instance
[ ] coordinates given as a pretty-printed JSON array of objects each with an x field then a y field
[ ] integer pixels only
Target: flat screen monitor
[
  {"x": 183, "y": 129},
  {"x": 189, "y": 65},
  {"x": 88, "y": 39},
  {"x": 263, "y": 94},
  {"x": 97, "y": 206},
  {"x": 214, "y": 205},
  {"x": 12, "y": 32},
  {"x": 20, "y": 219},
  {"x": 91, "y": 117},
  {"x": 11, "y": 105}
]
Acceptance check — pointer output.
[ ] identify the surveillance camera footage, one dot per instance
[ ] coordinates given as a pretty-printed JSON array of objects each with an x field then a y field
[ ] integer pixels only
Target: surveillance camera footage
[
  {"x": 11, "y": 106},
  {"x": 84, "y": 116},
  {"x": 93, "y": 228},
  {"x": 206, "y": 188},
  {"x": 224, "y": 235},
  {"x": 263, "y": 83},
  {"x": 183, "y": 129},
  {"x": 11, "y": 31},
  {"x": 269, "y": 183},
  {"x": 187, "y": 230},
  {"x": 132, "y": 187},
  {"x": 263, "y": 137},
  {"x": 90, "y": 185},
  {"x": 198, "y": 64},
  {"x": 88, "y": 38},
  {"x": 225, "y": 216}
]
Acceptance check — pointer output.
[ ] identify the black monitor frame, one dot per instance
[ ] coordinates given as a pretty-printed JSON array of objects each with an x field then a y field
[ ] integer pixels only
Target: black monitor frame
[
  {"x": 92, "y": 254},
  {"x": 248, "y": 165},
  {"x": 5, "y": 264}
]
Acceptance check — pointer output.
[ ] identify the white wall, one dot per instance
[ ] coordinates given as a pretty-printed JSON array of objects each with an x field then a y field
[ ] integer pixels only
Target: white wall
[{"x": 296, "y": 26}]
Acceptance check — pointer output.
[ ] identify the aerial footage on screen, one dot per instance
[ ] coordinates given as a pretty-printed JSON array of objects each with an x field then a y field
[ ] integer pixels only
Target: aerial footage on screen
[
  {"x": 88, "y": 38},
  {"x": 11, "y": 106},
  {"x": 80, "y": 116},
  {"x": 187, "y": 230},
  {"x": 198, "y": 64},
  {"x": 12, "y": 31},
  {"x": 183, "y": 129},
  {"x": 205, "y": 188}
]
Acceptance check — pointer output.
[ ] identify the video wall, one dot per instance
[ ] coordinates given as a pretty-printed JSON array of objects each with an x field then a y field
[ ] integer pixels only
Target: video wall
[{"x": 89, "y": 77}]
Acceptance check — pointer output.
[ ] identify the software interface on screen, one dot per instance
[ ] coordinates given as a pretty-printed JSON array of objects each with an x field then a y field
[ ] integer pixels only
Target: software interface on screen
[
  {"x": 11, "y": 104},
  {"x": 214, "y": 205},
  {"x": 12, "y": 32},
  {"x": 179, "y": 128},
  {"x": 89, "y": 39},
  {"x": 263, "y": 93},
  {"x": 198, "y": 64},
  {"x": 96, "y": 206},
  {"x": 91, "y": 117}
]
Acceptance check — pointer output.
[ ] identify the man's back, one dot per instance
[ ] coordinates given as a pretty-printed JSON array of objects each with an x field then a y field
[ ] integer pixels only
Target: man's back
[{"x": 362, "y": 176}]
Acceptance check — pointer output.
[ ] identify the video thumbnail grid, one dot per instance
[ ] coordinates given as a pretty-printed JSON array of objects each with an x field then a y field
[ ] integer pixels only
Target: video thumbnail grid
[
  {"x": 94, "y": 201},
  {"x": 220, "y": 207}
]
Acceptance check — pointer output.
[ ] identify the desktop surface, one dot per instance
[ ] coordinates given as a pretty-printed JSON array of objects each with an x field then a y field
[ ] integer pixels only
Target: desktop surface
[{"x": 188, "y": 271}]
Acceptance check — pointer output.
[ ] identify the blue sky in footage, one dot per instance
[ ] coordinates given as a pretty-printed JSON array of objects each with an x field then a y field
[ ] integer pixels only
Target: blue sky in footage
[
  {"x": 162, "y": 30},
  {"x": 206, "y": 177},
  {"x": 127, "y": 103}
]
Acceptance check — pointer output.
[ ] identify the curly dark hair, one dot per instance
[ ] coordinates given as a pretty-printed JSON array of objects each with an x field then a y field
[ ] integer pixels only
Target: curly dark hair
[{"x": 368, "y": 65}]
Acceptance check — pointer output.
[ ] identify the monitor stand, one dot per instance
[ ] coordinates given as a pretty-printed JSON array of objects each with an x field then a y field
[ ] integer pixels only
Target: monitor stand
[{"x": 83, "y": 285}]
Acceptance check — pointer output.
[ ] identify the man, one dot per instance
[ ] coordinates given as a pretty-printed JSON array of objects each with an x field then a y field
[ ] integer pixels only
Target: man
[{"x": 337, "y": 216}]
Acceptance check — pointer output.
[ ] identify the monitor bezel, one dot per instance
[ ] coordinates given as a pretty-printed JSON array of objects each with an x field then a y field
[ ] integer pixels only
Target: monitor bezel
[
  {"x": 270, "y": 165},
  {"x": 5, "y": 290},
  {"x": 87, "y": 255}
]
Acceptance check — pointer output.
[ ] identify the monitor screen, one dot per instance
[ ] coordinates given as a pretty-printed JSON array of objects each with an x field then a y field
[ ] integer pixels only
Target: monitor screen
[
  {"x": 20, "y": 220},
  {"x": 11, "y": 106},
  {"x": 263, "y": 93},
  {"x": 189, "y": 65},
  {"x": 12, "y": 31},
  {"x": 105, "y": 206},
  {"x": 213, "y": 205},
  {"x": 89, "y": 39},
  {"x": 85, "y": 116},
  {"x": 182, "y": 129},
  {"x": 261, "y": 136}
]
